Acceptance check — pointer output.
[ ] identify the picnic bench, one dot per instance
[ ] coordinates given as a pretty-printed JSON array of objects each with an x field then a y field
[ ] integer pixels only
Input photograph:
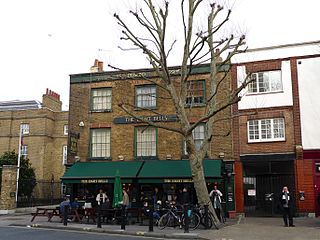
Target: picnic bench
[{"x": 45, "y": 212}]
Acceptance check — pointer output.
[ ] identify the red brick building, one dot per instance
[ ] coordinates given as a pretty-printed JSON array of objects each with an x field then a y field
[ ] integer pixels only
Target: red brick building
[{"x": 271, "y": 141}]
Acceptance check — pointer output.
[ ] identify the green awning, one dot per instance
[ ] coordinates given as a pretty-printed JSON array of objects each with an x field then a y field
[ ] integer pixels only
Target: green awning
[
  {"x": 176, "y": 171},
  {"x": 101, "y": 172}
]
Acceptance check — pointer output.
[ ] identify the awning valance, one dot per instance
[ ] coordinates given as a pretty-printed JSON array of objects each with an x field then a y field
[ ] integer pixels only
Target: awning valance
[
  {"x": 101, "y": 172},
  {"x": 176, "y": 171}
]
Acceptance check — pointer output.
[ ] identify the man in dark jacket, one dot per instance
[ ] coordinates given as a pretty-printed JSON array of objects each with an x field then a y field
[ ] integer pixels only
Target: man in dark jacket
[{"x": 286, "y": 201}]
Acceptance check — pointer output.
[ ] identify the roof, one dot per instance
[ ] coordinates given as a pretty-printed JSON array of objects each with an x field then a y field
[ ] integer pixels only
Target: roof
[{"x": 19, "y": 105}]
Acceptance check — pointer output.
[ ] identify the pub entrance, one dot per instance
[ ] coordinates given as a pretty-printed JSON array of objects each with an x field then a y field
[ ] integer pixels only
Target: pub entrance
[{"x": 263, "y": 181}]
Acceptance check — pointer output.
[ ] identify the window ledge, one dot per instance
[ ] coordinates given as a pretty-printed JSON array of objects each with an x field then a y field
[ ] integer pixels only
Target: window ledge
[
  {"x": 145, "y": 108},
  {"x": 99, "y": 158},
  {"x": 267, "y": 140},
  {"x": 101, "y": 111}
]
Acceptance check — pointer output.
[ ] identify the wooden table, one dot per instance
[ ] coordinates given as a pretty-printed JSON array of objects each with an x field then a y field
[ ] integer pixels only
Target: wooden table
[{"x": 45, "y": 212}]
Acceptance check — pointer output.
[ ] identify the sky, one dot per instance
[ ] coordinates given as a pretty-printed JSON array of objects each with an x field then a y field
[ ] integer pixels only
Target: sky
[{"x": 44, "y": 41}]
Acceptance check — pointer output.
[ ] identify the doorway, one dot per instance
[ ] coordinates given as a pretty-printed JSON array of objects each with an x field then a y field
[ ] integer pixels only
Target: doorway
[{"x": 263, "y": 181}]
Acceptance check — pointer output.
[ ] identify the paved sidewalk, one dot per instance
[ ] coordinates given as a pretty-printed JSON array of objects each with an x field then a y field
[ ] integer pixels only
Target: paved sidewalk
[{"x": 234, "y": 229}]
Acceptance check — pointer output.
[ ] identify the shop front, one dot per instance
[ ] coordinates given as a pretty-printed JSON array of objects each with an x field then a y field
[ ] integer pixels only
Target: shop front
[{"x": 140, "y": 178}]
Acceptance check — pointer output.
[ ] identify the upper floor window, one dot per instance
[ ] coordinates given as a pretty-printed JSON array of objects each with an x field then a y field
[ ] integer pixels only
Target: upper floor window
[
  {"x": 100, "y": 143},
  {"x": 146, "y": 96},
  {"x": 64, "y": 154},
  {"x": 146, "y": 142},
  {"x": 266, "y": 130},
  {"x": 195, "y": 93},
  {"x": 25, "y": 128},
  {"x": 24, "y": 151},
  {"x": 65, "y": 129},
  {"x": 198, "y": 137},
  {"x": 101, "y": 99},
  {"x": 263, "y": 82}
]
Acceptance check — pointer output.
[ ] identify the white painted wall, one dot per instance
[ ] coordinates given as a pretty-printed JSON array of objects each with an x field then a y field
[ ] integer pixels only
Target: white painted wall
[
  {"x": 277, "y": 52},
  {"x": 309, "y": 95},
  {"x": 278, "y": 99}
]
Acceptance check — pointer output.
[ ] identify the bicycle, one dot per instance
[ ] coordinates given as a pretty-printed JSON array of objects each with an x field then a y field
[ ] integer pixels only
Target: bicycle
[
  {"x": 172, "y": 216},
  {"x": 200, "y": 211}
]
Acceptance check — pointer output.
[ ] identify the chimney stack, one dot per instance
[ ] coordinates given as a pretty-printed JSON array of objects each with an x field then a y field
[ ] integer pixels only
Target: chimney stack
[{"x": 97, "y": 67}]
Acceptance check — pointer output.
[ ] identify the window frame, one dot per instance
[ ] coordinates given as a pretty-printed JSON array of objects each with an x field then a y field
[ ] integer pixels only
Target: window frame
[
  {"x": 25, "y": 127},
  {"x": 65, "y": 129},
  {"x": 136, "y": 143},
  {"x": 261, "y": 133},
  {"x": 64, "y": 154},
  {"x": 192, "y": 103},
  {"x": 92, "y": 97},
  {"x": 184, "y": 144},
  {"x": 107, "y": 143},
  {"x": 257, "y": 82},
  {"x": 24, "y": 150},
  {"x": 146, "y": 94}
]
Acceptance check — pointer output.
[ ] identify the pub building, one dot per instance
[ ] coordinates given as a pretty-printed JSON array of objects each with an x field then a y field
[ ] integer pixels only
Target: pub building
[{"x": 104, "y": 140}]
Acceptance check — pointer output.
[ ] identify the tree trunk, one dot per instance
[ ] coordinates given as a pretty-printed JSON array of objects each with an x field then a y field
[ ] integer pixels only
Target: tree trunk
[{"x": 196, "y": 164}]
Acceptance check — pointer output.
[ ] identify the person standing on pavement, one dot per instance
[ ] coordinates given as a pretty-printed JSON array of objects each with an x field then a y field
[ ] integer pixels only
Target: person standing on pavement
[
  {"x": 125, "y": 201},
  {"x": 286, "y": 201},
  {"x": 215, "y": 196}
]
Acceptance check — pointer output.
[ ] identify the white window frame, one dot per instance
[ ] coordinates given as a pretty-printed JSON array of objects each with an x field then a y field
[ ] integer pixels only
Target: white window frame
[
  {"x": 65, "y": 129},
  {"x": 101, "y": 99},
  {"x": 146, "y": 96},
  {"x": 100, "y": 143},
  {"x": 25, "y": 127},
  {"x": 266, "y": 130},
  {"x": 64, "y": 154},
  {"x": 198, "y": 137},
  {"x": 265, "y": 82},
  {"x": 24, "y": 151},
  {"x": 146, "y": 142}
]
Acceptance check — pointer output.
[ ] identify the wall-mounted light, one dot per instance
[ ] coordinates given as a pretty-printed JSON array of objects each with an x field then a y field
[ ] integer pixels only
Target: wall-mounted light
[
  {"x": 221, "y": 155},
  {"x": 120, "y": 157},
  {"x": 168, "y": 157},
  {"x": 81, "y": 124}
]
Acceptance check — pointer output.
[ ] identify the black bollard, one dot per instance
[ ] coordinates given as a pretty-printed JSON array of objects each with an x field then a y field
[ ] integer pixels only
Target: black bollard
[
  {"x": 65, "y": 215},
  {"x": 206, "y": 216},
  {"x": 151, "y": 217},
  {"x": 123, "y": 217},
  {"x": 99, "y": 217},
  {"x": 186, "y": 218}
]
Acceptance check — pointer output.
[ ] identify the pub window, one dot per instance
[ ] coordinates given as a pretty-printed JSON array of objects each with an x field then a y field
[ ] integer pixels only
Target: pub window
[
  {"x": 264, "y": 82},
  {"x": 195, "y": 93},
  {"x": 266, "y": 130},
  {"x": 100, "y": 143},
  {"x": 146, "y": 96},
  {"x": 146, "y": 141},
  {"x": 198, "y": 136},
  {"x": 101, "y": 99}
]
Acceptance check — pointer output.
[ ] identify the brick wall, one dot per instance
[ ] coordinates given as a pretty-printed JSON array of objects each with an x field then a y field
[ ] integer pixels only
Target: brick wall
[
  {"x": 122, "y": 135},
  {"x": 305, "y": 182},
  {"x": 8, "y": 187}
]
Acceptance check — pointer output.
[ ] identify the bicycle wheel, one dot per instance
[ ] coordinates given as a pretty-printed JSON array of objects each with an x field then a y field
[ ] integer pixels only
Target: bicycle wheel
[
  {"x": 210, "y": 222},
  {"x": 163, "y": 221},
  {"x": 194, "y": 221}
]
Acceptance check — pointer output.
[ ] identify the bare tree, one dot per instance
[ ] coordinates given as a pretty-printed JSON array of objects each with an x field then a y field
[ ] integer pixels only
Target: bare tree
[{"x": 201, "y": 47}]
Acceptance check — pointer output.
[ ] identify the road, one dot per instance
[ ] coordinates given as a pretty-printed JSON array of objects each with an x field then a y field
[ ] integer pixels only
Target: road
[{"x": 19, "y": 233}]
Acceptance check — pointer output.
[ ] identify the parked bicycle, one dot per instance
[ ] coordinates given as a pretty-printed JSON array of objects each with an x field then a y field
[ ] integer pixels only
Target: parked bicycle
[
  {"x": 201, "y": 212},
  {"x": 175, "y": 217}
]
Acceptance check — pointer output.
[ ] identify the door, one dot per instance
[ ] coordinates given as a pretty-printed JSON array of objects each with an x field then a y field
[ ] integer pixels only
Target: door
[{"x": 261, "y": 193}]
